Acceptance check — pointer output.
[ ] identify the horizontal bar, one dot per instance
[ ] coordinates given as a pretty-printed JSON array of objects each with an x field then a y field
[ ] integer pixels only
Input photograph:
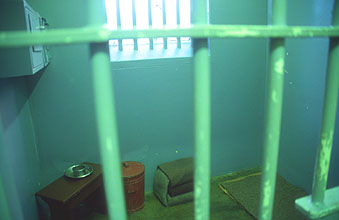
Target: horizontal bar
[
  {"x": 329, "y": 206},
  {"x": 103, "y": 34}
]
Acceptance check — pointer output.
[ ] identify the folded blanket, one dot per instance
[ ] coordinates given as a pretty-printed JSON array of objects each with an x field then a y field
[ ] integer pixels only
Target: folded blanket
[
  {"x": 180, "y": 189},
  {"x": 178, "y": 171},
  {"x": 173, "y": 182}
]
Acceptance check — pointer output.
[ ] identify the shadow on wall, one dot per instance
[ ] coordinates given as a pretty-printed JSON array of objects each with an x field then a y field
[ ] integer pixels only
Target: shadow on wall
[{"x": 19, "y": 158}]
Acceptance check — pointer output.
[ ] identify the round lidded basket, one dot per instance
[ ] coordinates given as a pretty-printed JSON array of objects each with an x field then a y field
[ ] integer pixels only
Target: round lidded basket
[{"x": 133, "y": 174}]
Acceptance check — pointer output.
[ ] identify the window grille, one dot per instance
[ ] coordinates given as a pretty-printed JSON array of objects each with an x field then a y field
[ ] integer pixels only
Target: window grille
[{"x": 144, "y": 14}]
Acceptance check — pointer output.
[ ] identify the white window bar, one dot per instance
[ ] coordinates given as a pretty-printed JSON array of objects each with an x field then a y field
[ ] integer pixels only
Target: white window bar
[
  {"x": 119, "y": 24},
  {"x": 178, "y": 24},
  {"x": 150, "y": 22},
  {"x": 164, "y": 20},
  {"x": 135, "y": 40}
]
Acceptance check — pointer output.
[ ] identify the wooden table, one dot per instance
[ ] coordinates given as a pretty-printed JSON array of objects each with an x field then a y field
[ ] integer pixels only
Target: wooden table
[{"x": 65, "y": 194}]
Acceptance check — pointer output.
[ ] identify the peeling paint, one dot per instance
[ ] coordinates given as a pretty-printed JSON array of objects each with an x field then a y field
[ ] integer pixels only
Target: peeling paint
[
  {"x": 267, "y": 193},
  {"x": 109, "y": 144},
  {"x": 104, "y": 34},
  {"x": 279, "y": 66},
  {"x": 274, "y": 96},
  {"x": 296, "y": 31},
  {"x": 242, "y": 32},
  {"x": 68, "y": 39},
  {"x": 325, "y": 154}
]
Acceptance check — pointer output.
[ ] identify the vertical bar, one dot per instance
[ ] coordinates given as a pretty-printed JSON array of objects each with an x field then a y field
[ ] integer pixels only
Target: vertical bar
[
  {"x": 202, "y": 121},
  {"x": 164, "y": 20},
  {"x": 119, "y": 23},
  {"x": 106, "y": 118},
  {"x": 134, "y": 24},
  {"x": 4, "y": 196},
  {"x": 150, "y": 22},
  {"x": 178, "y": 24},
  {"x": 4, "y": 209},
  {"x": 273, "y": 113},
  {"x": 328, "y": 118}
]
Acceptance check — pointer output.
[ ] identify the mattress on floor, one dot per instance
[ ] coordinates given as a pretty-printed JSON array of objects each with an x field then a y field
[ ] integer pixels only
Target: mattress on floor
[{"x": 245, "y": 190}]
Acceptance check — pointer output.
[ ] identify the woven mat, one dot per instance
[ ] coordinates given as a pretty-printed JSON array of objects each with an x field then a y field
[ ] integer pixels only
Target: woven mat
[{"x": 245, "y": 190}]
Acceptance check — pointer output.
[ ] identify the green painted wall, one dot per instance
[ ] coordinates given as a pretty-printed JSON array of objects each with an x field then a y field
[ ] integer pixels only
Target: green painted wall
[
  {"x": 238, "y": 88},
  {"x": 19, "y": 159},
  {"x": 154, "y": 99},
  {"x": 306, "y": 61}
]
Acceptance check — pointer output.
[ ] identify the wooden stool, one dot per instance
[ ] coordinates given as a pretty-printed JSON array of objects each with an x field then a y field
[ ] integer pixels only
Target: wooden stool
[{"x": 65, "y": 194}]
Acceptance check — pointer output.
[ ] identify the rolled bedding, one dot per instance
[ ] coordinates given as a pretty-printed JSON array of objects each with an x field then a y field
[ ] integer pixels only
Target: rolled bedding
[{"x": 173, "y": 182}]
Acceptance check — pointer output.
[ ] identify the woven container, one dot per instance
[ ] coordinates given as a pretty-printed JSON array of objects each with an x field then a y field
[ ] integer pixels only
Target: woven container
[{"x": 134, "y": 184}]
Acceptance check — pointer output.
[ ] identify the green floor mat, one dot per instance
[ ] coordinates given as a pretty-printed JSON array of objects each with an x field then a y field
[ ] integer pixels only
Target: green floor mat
[
  {"x": 222, "y": 207},
  {"x": 245, "y": 190}
]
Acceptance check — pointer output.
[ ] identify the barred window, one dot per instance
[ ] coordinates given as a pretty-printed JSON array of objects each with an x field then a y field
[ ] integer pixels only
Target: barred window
[{"x": 144, "y": 14}]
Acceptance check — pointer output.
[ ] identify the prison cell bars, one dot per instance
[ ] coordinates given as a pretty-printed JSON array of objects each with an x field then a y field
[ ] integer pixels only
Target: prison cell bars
[
  {"x": 202, "y": 120},
  {"x": 273, "y": 113},
  {"x": 106, "y": 118},
  {"x": 328, "y": 118},
  {"x": 104, "y": 97},
  {"x": 102, "y": 34}
]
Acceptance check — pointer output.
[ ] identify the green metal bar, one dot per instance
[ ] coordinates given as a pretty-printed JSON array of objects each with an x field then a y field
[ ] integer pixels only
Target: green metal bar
[
  {"x": 164, "y": 20},
  {"x": 134, "y": 15},
  {"x": 273, "y": 113},
  {"x": 106, "y": 119},
  {"x": 150, "y": 23},
  {"x": 178, "y": 22},
  {"x": 102, "y": 34},
  {"x": 202, "y": 120},
  {"x": 119, "y": 24},
  {"x": 4, "y": 208},
  {"x": 328, "y": 119}
]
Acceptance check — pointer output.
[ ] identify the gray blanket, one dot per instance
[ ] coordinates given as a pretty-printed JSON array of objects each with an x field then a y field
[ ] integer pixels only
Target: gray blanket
[
  {"x": 173, "y": 182},
  {"x": 179, "y": 171}
]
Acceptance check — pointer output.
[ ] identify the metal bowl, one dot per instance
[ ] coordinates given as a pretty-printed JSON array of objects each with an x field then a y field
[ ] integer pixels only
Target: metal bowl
[{"x": 79, "y": 171}]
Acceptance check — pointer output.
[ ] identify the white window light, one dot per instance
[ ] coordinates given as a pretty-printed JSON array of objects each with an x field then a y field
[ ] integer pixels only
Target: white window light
[{"x": 141, "y": 14}]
